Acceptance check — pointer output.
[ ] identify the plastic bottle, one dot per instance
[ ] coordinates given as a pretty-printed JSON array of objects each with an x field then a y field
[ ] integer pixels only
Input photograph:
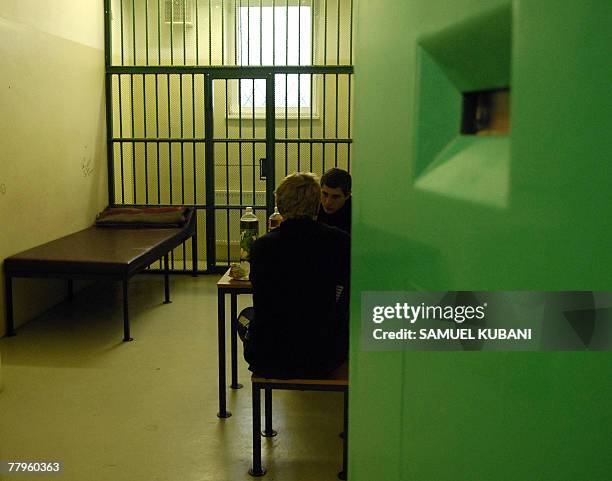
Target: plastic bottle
[
  {"x": 249, "y": 230},
  {"x": 274, "y": 220}
]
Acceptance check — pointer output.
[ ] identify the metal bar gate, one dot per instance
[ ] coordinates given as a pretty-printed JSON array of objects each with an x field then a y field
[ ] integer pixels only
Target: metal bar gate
[{"x": 210, "y": 102}]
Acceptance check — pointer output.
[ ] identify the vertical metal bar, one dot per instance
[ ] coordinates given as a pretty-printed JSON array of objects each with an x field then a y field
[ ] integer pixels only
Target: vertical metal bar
[
  {"x": 270, "y": 144},
  {"x": 121, "y": 142},
  {"x": 273, "y": 32},
  {"x": 121, "y": 21},
  {"x": 312, "y": 62},
  {"x": 299, "y": 98},
  {"x": 146, "y": 145},
  {"x": 312, "y": 32},
  {"x": 351, "y": 36},
  {"x": 194, "y": 244},
  {"x": 238, "y": 19},
  {"x": 147, "y": 32},
  {"x": 184, "y": 37},
  {"x": 171, "y": 32},
  {"x": 240, "y": 136},
  {"x": 182, "y": 143},
  {"x": 325, "y": 36},
  {"x": 182, "y": 162},
  {"x": 337, "y": 63},
  {"x": 169, "y": 137},
  {"x": 197, "y": 34},
  {"x": 158, "y": 42},
  {"x": 134, "y": 31},
  {"x": 211, "y": 256},
  {"x": 348, "y": 146},
  {"x": 253, "y": 144},
  {"x": 209, "y": 33},
  {"x": 299, "y": 44},
  {"x": 338, "y": 36},
  {"x": 324, "y": 117},
  {"x": 133, "y": 135},
  {"x": 227, "y": 175},
  {"x": 260, "y": 33},
  {"x": 286, "y": 86},
  {"x": 311, "y": 118},
  {"x": 157, "y": 136},
  {"x": 249, "y": 32},
  {"x": 193, "y": 145},
  {"x": 108, "y": 83},
  {"x": 223, "y": 34},
  {"x": 336, "y": 119}
]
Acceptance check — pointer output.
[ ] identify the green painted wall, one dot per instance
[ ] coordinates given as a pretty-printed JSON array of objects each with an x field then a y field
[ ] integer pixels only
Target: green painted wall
[{"x": 436, "y": 211}]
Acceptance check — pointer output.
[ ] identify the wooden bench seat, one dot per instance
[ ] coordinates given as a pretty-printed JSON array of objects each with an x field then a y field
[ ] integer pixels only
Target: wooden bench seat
[{"x": 337, "y": 381}]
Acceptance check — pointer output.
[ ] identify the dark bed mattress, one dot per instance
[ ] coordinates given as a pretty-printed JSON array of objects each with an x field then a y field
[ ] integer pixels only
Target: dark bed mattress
[
  {"x": 97, "y": 251},
  {"x": 111, "y": 252}
]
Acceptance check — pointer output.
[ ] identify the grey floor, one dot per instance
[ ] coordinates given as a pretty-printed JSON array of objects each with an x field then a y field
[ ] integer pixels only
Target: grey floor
[{"x": 146, "y": 410}]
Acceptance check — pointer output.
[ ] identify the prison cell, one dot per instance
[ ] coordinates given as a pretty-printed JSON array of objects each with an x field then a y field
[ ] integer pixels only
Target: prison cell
[{"x": 211, "y": 103}]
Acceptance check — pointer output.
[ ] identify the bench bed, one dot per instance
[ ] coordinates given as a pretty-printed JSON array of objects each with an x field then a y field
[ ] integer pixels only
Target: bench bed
[{"x": 117, "y": 253}]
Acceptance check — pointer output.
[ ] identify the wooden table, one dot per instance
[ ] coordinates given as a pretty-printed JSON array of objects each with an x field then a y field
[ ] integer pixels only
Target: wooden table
[{"x": 227, "y": 285}]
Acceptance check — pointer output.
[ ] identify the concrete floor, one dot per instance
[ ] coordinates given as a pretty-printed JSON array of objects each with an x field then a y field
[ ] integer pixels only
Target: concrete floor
[{"x": 146, "y": 410}]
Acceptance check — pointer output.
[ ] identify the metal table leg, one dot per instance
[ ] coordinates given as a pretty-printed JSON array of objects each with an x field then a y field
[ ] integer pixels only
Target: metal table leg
[
  {"x": 8, "y": 299},
  {"x": 223, "y": 413},
  {"x": 70, "y": 289},
  {"x": 126, "y": 318},
  {"x": 234, "y": 338},
  {"x": 256, "y": 469},
  {"x": 268, "y": 432},
  {"x": 344, "y": 473},
  {"x": 166, "y": 281}
]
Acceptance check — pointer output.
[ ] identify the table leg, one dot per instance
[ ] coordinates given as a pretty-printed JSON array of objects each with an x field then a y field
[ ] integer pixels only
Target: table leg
[
  {"x": 8, "y": 299},
  {"x": 166, "y": 281},
  {"x": 268, "y": 432},
  {"x": 344, "y": 473},
  {"x": 223, "y": 413},
  {"x": 126, "y": 317},
  {"x": 194, "y": 254},
  {"x": 70, "y": 289},
  {"x": 256, "y": 468},
  {"x": 234, "y": 337}
]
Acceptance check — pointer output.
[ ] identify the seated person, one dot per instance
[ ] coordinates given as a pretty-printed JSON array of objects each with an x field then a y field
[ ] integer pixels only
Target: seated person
[
  {"x": 336, "y": 199},
  {"x": 298, "y": 328}
]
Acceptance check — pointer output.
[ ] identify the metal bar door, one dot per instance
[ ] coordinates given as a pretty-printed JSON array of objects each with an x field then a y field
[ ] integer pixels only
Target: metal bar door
[{"x": 240, "y": 152}]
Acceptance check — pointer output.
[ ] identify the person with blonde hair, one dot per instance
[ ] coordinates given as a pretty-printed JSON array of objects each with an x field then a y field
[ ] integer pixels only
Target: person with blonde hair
[{"x": 298, "y": 326}]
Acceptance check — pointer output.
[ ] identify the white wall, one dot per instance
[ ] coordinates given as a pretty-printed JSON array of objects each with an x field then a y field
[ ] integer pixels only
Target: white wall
[{"x": 52, "y": 132}]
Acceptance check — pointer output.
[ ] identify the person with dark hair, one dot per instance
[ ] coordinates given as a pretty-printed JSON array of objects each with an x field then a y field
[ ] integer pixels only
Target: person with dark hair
[
  {"x": 336, "y": 199},
  {"x": 298, "y": 325}
]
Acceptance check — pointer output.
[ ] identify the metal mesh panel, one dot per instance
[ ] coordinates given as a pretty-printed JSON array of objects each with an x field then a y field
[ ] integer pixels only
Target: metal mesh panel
[{"x": 166, "y": 56}]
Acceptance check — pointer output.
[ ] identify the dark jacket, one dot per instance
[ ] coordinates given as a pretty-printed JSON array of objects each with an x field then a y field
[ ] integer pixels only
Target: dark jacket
[
  {"x": 340, "y": 219},
  {"x": 299, "y": 329}
]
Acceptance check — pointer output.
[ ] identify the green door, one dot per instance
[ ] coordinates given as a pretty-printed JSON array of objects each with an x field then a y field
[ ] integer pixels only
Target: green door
[{"x": 435, "y": 209}]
